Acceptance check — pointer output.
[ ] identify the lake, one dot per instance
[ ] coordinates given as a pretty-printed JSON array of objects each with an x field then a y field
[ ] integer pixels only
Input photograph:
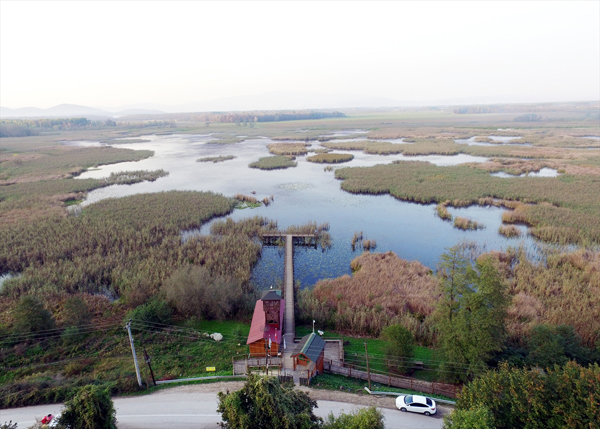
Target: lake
[{"x": 308, "y": 193}]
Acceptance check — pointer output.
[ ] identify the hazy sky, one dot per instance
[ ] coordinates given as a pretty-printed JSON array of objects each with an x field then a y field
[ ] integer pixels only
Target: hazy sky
[{"x": 119, "y": 53}]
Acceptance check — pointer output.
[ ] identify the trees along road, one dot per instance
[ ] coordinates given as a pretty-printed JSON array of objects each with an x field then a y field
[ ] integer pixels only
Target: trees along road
[{"x": 195, "y": 406}]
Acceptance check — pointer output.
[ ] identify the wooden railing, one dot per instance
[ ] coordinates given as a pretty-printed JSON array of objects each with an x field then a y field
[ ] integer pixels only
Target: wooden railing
[{"x": 449, "y": 390}]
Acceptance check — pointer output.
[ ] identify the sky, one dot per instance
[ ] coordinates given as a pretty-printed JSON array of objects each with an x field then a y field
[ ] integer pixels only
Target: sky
[{"x": 110, "y": 54}]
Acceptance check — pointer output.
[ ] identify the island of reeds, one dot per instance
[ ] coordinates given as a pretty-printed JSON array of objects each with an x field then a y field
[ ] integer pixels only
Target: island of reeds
[
  {"x": 273, "y": 162},
  {"x": 330, "y": 158}
]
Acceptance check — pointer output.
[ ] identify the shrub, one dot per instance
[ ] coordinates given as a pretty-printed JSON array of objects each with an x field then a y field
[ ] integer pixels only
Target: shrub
[
  {"x": 154, "y": 311},
  {"x": 75, "y": 312},
  {"x": 91, "y": 408},
  {"x": 365, "y": 418},
  {"x": 196, "y": 293},
  {"x": 30, "y": 316}
]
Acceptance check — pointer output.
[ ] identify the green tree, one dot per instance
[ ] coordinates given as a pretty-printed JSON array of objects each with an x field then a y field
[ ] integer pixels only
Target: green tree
[
  {"x": 550, "y": 345},
  {"x": 266, "y": 404},
  {"x": 470, "y": 316},
  {"x": 91, "y": 408},
  {"x": 30, "y": 316},
  {"x": 475, "y": 418},
  {"x": 563, "y": 397},
  {"x": 364, "y": 418},
  {"x": 399, "y": 347}
]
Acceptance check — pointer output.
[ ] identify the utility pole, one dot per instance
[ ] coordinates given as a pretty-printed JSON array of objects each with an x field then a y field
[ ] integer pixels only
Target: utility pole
[
  {"x": 137, "y": 368},
  {"x": 148, "y": 359},
  {"x": 368, "y": 371}
]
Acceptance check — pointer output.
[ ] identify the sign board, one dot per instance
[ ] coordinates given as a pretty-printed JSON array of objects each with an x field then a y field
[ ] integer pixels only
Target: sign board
[{"x": 210, "y": 369}]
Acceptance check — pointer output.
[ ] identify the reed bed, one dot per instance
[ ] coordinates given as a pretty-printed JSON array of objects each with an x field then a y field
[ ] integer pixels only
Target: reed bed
[
  {"x": 320, "y": 150},
  {"x": 356, "y": 239},
  {"x": 553, "y": 288},
  {"x": 215, "y": 159},
  {"x": 246, "y": 198},
  {"x": 64, "y": 161},
  {"x": 383, "y": 290},
  {"x": 564, "y": 209},
  {"x": 467, "y": 224},
  {"x": 273, "y": 163},
  {"x": 226, "y": 140},
  {"x": 368, "y": 244},
  {"x": 509, "y": 231},
  {"x": 125, "y": 247},
  {"x": 330, "y": 158},
  {"x": 442, "y": 211},
  {"x": 328, "y": 168},
  {"x": 294, "y": 149}
]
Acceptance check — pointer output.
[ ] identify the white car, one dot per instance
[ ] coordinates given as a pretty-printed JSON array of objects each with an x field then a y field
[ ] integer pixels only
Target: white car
[{"x": 416, "y": 404}]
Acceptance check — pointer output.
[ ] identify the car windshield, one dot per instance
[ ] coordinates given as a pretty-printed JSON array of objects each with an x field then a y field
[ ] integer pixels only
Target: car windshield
[
  {"x": 429, "y": 401},
  {"x": 408, "y": 399}
]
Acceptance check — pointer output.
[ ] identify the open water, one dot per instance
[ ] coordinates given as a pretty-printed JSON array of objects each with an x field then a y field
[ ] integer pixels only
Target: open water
[{"x": 308, "y": 193}]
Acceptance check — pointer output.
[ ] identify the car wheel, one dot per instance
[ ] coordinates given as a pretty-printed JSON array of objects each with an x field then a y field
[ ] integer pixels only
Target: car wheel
[
  {"x": 427, "y": 413},
  {"x": 403, "y": 409}
]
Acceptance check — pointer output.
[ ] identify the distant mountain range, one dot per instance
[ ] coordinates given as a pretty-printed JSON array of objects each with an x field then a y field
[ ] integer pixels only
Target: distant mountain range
[
  {"x": 277, "y": 100},
  {"x": 70, "y": 111}
]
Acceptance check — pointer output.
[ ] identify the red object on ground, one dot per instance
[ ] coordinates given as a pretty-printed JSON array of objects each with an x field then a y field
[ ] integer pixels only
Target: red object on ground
[{"x": 47, "y": 419}]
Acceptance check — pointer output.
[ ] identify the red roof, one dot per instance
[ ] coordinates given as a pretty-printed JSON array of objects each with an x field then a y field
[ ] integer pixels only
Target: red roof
[{"x": 258, "y": 330}]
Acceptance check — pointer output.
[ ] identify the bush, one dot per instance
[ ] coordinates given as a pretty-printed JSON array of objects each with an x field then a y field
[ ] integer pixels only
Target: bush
[
  {"x": 91, "y": 408},
  {"x": 475, "y": 418},
  {"x": 30, "y": 316},
  {"x": 154, "y": 311},
  {"x": 195, "y": 293},
  {"x": 75, "y": 312},
  {"x": 365, "y": 418}
]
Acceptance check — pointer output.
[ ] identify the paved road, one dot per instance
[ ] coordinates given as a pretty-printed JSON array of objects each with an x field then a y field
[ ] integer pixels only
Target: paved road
[{"x": 186, "y": 408}]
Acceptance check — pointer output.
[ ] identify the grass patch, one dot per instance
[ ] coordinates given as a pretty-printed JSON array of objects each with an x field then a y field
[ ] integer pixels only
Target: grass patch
[
  {"x": 467, "y": 224},
  {"x": 226, "y": 140},
  {"x": 290, "y": 149},
  {"x": 330, "y": 158},
  {"x": 273, "y": 163},
  {"x": 509, "y": 231},
  {"x": 215, "y": 159}
]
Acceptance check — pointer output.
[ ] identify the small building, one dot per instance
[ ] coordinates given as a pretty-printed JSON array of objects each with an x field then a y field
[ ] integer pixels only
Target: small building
[
  {"x": 267, "y": 324},
  {"x": 309, "y": 353}
]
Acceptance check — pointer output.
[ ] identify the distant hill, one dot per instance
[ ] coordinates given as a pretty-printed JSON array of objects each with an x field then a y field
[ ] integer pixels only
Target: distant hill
[{"x": 70, "y": 111}]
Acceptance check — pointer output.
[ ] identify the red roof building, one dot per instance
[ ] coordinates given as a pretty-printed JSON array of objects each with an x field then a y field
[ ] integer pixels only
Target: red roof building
[{"x": 267, "y": 324}]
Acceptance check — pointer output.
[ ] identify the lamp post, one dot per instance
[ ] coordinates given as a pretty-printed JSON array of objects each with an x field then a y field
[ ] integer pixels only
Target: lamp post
[{"x": 313, "y": 326}]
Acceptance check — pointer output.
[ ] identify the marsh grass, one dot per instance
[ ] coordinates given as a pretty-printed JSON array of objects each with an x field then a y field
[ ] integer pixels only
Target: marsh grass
[
  {"x": 331, "y": 158},
  {"x": 225, "y": 139},
  {"x": 509, "y": 231},
  {"x": 442, "y": 212},
  {"x": 215, "y": 159},
  {"x": 127, "y": 247},
  {"x": 293, "y": 149},
  {"x": 273, "y": 162},
  {"x": 564, "y": 209},
  {"x": 467, "y": 224},
  {"x": 383, "y": 290},
  {"x": 328, "y": 168}
]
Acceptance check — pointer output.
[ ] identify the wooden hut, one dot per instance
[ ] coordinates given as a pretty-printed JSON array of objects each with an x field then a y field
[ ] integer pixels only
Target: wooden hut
[
  {"x": 267, "y": 323},
  {"x": 309, "y": 353}
]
